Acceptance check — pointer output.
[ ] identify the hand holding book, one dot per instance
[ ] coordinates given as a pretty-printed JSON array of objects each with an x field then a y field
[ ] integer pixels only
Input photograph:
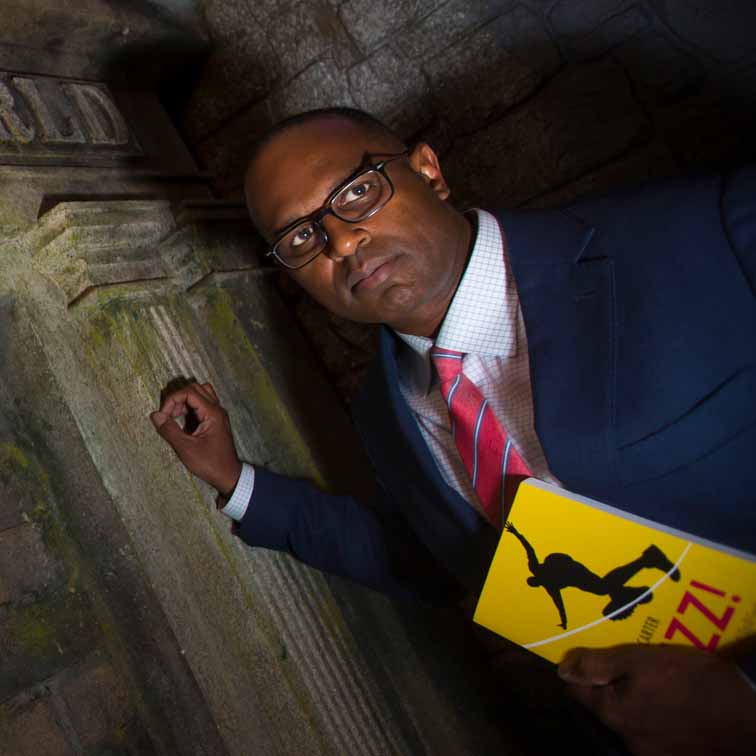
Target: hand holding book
[
  {"x": 624, "y": 589},
  {"x": 665, "y": 699}
]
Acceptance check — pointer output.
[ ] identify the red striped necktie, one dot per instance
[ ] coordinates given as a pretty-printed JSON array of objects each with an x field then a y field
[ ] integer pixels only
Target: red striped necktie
[{"x": 486, "y": 450}]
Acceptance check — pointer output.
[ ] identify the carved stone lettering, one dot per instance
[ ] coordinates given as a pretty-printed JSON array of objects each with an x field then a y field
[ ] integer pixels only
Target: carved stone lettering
[
  {"x": 50, "y": 132},
  {"x": 53, "y": 121},
  {"x": 104, "y": 122},
  {"x": 13, "y": 128}
]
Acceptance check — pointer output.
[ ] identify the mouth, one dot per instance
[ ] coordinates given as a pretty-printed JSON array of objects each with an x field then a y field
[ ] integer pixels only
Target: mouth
[{"x": 372, "y": 274}]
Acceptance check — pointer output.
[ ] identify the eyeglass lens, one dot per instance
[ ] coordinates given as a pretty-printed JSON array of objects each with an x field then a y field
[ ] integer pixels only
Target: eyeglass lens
[{"x": 363, "y": 196}]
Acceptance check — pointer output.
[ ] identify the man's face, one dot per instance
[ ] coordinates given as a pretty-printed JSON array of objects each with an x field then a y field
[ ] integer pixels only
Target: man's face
[{"x": 400, "y": 266}]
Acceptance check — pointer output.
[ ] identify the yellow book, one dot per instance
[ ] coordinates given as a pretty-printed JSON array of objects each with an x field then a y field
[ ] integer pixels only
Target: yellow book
[{"x": 570, "y": 571}]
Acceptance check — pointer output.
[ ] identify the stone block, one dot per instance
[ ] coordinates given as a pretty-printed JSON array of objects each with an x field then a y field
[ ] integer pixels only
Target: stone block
[
  {"x": 31, "y": 730},
  {"x": 321, "y": 85},
  {"x": 82, "y": 247},
  {"x": 97, "y": 39},
  {"x": 391, "y": 88},
  {"x": 370, "y": 22},
  {"x": 304, "y": 33},
  {"x": 660, "y": 68},
  {"x": 479, "y": 63},
  {"x": 582, "y": 119},
  {"x": 11, "y": 515},
  {"x": 229, "y": 20},
  {"x": 265, "y": 10},
  {"x": 241, "y": 70},
  {"x": 611, "y": 33},
  {"x": 16, "y": 498},
  {"x": 574, "y": 18},
  {"x": 226, "y": 153},
  {"x": 724, "y": 30},
  {"x": 98, "y": 705},
  {"x": 26, "y": 567},
  {"x": 39, "y": 640},
  {"x": 523, "y": 33},
  {"x": 654, "y": 161},
  {"x": 448, "y": 23}
]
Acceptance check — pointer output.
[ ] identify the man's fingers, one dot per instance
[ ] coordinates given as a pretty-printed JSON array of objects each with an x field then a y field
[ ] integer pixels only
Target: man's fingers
[
  {"x": 601, "y": 666},
  {"x": 172, "y": 408},
  {"x": 159, "y": 419},
  {"x": 201, "y": 388},
  {"x": 169, "y": 429},
  {"x": 602, "y": 701},
  {"x": 177, "y": 403},
  {"x": 211, "y": 391}
]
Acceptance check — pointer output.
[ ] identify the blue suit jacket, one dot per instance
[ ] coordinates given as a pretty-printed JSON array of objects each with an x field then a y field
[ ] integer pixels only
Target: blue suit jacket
[{"x": 640, "y": 312}]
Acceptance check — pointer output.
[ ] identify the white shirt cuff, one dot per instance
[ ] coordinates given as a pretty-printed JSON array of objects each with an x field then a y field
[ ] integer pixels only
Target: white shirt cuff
[{"x": 236, "y": 507}]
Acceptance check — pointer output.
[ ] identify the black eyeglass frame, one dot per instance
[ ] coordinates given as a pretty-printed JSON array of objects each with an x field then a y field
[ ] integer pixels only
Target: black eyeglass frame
[{"x": 327, "y": 209}]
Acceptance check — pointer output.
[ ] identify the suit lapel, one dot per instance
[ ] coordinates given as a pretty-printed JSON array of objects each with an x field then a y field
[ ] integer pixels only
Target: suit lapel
[{"x": 566, "y": 296}]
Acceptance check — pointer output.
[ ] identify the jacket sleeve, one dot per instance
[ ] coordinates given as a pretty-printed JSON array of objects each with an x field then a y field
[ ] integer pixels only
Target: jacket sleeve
[{"x": 341, "y": 536}]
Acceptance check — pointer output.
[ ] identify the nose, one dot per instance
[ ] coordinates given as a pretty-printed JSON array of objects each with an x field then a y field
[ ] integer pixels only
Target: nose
[{"x": 344, "y": 239}]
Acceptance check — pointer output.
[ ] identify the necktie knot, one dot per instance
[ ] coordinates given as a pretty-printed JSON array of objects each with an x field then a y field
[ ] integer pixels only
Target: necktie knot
[{"x": 447, "y": 362}]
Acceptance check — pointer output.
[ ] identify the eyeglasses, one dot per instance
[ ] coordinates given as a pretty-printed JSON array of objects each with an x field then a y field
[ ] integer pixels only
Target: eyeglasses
[{"x": 360, "y": 197}]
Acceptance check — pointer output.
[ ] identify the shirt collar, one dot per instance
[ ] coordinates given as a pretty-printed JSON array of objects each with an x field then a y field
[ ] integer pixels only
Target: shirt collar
[{"x": 482, "y": 316}]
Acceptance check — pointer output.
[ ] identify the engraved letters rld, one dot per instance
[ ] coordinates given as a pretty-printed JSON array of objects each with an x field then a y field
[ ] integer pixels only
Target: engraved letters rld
[{"x": 41, "y": 117}]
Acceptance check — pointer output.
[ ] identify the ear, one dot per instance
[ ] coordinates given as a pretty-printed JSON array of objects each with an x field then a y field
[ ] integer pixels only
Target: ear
[{"x": 424, "y": 162}]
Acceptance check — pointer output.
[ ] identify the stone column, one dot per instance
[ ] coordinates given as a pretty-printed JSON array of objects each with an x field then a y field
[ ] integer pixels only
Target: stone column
[
  {"x": 124, "y": 297},
  {"x": 119, "y": 273}
]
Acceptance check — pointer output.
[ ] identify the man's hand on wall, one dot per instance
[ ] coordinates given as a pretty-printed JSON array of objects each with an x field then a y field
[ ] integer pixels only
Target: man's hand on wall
[
  {"x": 207, "y": 450},
  {"x": 666, "y": 699}
]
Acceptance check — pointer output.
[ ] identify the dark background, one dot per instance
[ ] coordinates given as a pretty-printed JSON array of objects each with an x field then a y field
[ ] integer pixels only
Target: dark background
[{"x": 529, "y": 102}]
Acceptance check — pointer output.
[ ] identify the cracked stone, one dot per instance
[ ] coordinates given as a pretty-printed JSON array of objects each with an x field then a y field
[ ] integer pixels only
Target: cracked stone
[
  {"x": 610, "y": 34},
  {"x": 585, "y": 117},
  {"x": 707, "y": 24},
  {"x": 441, "y": 28},
  {"x": 225, "y": 155},
  {"x": 26, "y": 567},
  {"x": 393, "y": 89},
  {"x": 575, "y": 18},
  {"x": 523, "y": 34},
  {"x": 32, "y": 730},
  {"x": 660, "y": 66},
  {"x": 479, "y": 63},
  {"x": 654, "y": 161},
  {"x": 98, "y": 705},
  {"x": 321, "y": 85},
  {"x": 304, "y": 34},
  {"x": 371, "y": 21},
  {"x": 239, "y": 72}
]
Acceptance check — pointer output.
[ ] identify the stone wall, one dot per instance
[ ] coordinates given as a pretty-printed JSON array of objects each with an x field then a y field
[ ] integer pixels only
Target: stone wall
[
  {"x": 529, "y": 102},
  {"x": 131, "y": 619}
]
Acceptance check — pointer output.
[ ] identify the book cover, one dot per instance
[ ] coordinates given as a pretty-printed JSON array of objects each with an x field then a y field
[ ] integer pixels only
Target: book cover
[{"x": 570, "y": 571}]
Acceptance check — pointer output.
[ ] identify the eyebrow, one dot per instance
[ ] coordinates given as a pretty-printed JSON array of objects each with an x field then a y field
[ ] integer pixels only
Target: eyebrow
[{"x": 294, "y": 221}]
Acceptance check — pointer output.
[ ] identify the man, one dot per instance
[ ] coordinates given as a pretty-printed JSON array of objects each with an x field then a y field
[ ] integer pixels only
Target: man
[{"x": 609, "y": 347}]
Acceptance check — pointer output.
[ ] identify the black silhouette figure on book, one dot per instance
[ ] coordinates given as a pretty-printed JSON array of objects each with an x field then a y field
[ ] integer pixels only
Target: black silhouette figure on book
[{"x": 560, "y": 571}]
